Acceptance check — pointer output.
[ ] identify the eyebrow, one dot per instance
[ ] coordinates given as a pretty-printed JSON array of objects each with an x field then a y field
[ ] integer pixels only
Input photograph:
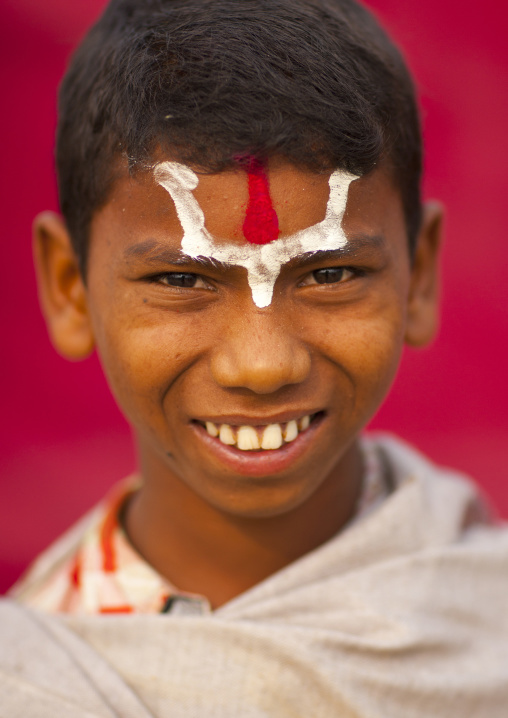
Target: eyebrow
[
  {"x": 152, "y": 251},
  {"x": 355, "y": 248}
]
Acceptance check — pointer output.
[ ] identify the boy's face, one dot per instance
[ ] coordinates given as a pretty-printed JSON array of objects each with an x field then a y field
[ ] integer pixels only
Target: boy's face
[{"x": 187, "y": 351}]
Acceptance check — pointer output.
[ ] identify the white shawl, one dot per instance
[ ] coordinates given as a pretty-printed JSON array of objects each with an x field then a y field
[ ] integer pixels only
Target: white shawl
[{"x": 402, "y": 615}]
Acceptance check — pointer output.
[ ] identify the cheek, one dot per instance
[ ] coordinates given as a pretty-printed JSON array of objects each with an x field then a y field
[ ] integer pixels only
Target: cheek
[
  {"x": 376, "y": 360},
  {"x": 364, "y": 344},
  {"x": 143, "y": 355},
  {"x": 369, "y": 347}
]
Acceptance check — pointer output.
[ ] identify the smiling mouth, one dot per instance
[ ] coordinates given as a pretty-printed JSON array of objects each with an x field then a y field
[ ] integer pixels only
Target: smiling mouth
[{"x": 259, "y": 438}]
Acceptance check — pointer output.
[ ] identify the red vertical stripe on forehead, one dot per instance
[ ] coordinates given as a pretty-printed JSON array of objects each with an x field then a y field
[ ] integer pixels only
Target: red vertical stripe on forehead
[{"x": 261, "y": 224}]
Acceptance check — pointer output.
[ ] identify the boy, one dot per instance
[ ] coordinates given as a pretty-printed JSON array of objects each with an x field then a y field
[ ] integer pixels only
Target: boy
[{"x": 244, "y": 243}]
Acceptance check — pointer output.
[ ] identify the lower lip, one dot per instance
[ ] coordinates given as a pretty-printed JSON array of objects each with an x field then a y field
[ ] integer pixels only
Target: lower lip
[{"x": 260, "y": 463}]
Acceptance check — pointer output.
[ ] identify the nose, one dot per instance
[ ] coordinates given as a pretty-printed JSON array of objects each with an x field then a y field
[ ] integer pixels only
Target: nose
[{"x": 259, "y": 352}]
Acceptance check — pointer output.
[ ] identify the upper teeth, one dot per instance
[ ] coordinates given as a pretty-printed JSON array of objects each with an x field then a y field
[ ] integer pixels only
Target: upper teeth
[{"x": 248, "y": 438}]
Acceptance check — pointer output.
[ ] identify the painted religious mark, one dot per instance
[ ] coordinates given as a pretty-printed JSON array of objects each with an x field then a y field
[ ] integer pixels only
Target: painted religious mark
[
  {"x": 261, "y": 223},
  {"x": 263, "y": 258}
]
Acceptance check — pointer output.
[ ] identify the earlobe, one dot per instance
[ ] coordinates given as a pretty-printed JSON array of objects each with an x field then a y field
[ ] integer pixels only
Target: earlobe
[
  {"x": 423, "y": 299},
  {"x": 62, "y": 292}
]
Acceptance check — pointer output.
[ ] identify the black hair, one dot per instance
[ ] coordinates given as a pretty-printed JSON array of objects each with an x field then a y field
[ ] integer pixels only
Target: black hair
[{"x": 317, "y": 82}]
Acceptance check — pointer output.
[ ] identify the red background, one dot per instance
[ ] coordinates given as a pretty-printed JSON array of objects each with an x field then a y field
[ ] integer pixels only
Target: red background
[{"x": 63, "y": 440}]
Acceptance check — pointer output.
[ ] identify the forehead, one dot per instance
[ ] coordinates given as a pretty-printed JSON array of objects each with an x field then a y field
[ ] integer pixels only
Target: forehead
[{"x": 299, "y": 197}]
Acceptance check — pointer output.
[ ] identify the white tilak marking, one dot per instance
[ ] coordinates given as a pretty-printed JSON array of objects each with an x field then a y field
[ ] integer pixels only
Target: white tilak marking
[{"x": 262, "y": 261}]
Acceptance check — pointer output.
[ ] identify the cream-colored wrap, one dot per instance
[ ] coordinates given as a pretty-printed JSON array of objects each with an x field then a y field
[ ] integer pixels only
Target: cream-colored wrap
[{"x": 402, "y": 615}]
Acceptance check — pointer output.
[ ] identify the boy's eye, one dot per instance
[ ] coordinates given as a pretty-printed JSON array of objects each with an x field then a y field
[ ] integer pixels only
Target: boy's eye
[
  {"x": 181, "y": 279},
  {"x": 331, "y": 275}
]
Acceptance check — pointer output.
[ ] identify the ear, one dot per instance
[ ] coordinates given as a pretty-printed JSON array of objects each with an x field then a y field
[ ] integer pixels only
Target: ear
[
  {"x": 423, "y": 299},
  {"x": 62, "y": 293}
]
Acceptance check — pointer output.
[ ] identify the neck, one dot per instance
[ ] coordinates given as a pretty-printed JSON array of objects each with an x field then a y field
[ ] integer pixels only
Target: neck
[{"x": 205, "y": 551}]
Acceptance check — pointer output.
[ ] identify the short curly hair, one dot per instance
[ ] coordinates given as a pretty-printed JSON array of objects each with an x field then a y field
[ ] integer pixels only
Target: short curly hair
[{"x": 317, "y": 82}]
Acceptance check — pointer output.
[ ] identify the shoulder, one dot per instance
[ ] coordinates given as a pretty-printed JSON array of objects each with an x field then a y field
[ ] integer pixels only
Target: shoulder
[
  {"x": 52, "y": 582},
  {"x": 447, "y": 501},
  {"x": 46, "y": 669},
  {"x": 55, "y": 562}
]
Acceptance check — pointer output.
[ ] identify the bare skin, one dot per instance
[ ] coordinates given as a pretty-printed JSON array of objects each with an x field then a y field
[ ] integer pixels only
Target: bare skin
[{"x": 212, "y": 519}]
